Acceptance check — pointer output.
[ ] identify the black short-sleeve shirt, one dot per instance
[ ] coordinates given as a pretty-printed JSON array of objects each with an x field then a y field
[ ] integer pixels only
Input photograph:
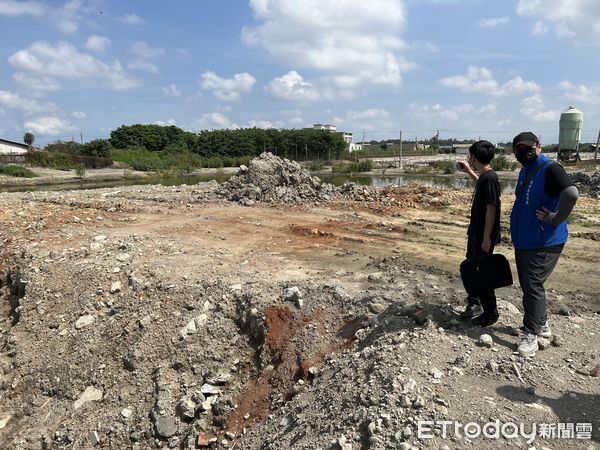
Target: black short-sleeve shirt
[
  {"x": 556, "y": 180},
  {"x": 487, "y": 192}
]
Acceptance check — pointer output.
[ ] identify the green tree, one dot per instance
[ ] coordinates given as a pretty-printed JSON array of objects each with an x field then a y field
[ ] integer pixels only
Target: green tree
[
  {"x": 29, "y": 138},
  {"x": 100, "y": 148}
]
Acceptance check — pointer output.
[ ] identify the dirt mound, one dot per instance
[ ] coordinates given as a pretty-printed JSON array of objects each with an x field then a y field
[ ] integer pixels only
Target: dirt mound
[
  {"x": 275, "y": 180},
  {"x": 589, "y": 184}
]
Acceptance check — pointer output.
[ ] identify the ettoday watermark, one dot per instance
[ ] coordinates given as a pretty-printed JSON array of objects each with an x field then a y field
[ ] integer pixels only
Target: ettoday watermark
[{"x": 429, "y": 429}]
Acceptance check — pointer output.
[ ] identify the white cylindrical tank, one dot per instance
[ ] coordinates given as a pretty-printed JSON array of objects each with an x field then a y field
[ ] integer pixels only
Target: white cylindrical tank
[{"x": 570, "y": 125}]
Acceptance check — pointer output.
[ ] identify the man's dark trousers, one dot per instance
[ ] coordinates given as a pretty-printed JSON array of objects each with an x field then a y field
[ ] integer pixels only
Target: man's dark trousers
[
  {"x": 534, "y": 268},
  {"x": 487, "y": 299}
]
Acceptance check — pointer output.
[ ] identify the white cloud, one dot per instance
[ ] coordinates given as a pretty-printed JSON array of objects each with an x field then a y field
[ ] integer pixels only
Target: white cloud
[
  {"x": 369, "y": 114},
  {"x": 140, "y": 64},
  {"x": 12, "y": 100},
  {"x": 292, "y": 86},
  {"x": 539, "y": 29},
  {"x": 171, "y": 91},
  {"x": 533, "y": 109},
  {"x": 64, "y": 61},
  {"x": 132, "y": 19},
  {"x": 574, "y": 19},
  {"x": 335, "y": 38},
  {"x": 167, "y": 123},
  {"x": 481, "y": 80},
  {"x": 36, "y": 83},
  {"x": 492, "y": 22},
  {"x": 97, "y": 43},
  {"x": 79, "y": 115},
  {"x": 48, "y": 126},
  {"x": 14, "y": 9},
  {"x": 436, "y": 110},
  {"x": 260, "y": 124},
  {"x": 215, "y": 120},
  {"x": 587, "y": 95},
  {"x": 227, "y": 89},
  {"x": 296, "y": 120},
  {"x": 143, "y": 50}
]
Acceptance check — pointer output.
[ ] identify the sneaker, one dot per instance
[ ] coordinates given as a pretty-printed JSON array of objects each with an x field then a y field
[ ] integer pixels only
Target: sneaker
[
  {"x": 545, "y": 331},
  {"x": 485, "y": 320},
  {"x": 528, "y": 344},
  {"x": 472, "y": 310}
]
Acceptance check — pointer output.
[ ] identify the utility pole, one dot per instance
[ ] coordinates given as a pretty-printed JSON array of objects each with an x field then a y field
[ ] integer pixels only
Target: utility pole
[
  {"x": 81, "y": 138},
  {"x": 400, "y": 161},
  {"x": 597, "y": 144}
]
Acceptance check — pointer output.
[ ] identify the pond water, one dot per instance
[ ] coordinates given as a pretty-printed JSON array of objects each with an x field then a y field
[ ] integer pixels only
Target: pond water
[{"x": 508, "y": 186}]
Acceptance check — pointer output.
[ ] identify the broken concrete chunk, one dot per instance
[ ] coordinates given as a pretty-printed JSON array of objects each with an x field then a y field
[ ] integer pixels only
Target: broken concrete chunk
[
  {"x": 91, "y": 394},
  {"x": 85, "y": 321}
]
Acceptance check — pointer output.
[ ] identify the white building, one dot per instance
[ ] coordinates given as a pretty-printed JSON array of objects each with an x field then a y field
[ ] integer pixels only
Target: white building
[
  {"x": 326, "y": 127},
  {"x": 12, "y": 152}
]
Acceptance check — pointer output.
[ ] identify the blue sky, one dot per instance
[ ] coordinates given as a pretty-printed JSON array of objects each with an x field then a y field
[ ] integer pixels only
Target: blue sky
[{"x": 469, "y": 68}]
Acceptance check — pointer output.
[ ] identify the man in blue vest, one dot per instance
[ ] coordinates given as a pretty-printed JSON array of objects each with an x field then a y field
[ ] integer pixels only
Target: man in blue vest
[{"x": 544, "y": 198}]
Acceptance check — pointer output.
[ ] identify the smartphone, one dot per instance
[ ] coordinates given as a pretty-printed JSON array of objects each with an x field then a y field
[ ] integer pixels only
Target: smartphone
[{"x": 458, "y": 165}]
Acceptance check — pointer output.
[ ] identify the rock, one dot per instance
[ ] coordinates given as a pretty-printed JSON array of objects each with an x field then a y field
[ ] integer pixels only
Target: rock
[
  {"x": 595, "y": 371},
  {"x": 94, "y": 438},
  {"x": 4, "y": 421},
  {"x": 563, "y": 310},
  {"x": 491, "y": 365},
  {"x": 204, "y": 441},
  {"x": 420, "y": 317},
  {"x": 219, "y": 379},
  {"x": 85, "y": 321},
  {"x": 99, "y": 238},
  {"x": 436, "y": 374},
  {"x": 90, "y": 394},
  {"x": 189, "y": 328},
  {"x": 344, "y": 444},
  {"x": 132, "y": 360},
  {"x": 96, "y": 247},
  {"x": 530, "y": 390},
  {"x": 115, "y": 287},
  {"x": 405, "y": 401},
  {"x": 441, "y": 409},
  {"x": 209, "y": 389},
  {"x": 186, "y": 409},
  {"x": 291, "y": 294},
  {"x": 375, "y": 276},
  {"x": 419, "y": 402},
  {"x": 509, "y": 307},
  {"x": 557, "y": 340},
  {"x": 543, "y": 343},
  {"x": 485, "y": 340},
  {"x": 404, "y": 446},
  {"x": 123, "y": 257},
  {"x": 165, "y": 426},
  {"x": 126, "y": 413},
  {"x": 409, "y": 386},
  {"x": 376, "y": 308}
]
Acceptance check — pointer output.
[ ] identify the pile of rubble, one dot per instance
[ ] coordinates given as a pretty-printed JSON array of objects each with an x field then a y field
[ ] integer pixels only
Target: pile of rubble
[
  {"x": 589, "y": 184},
  {"x": 274, "y": 180}
]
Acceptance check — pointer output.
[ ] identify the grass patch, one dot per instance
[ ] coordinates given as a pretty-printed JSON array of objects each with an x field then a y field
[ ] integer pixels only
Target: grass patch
[
  {"x": 501, "y": 162},
  {"x": 14, "y": 170},
  {"x": 177, "y": 163}
]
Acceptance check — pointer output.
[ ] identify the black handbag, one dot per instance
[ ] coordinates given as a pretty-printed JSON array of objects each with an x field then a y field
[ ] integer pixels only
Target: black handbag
[{"x": 485, "y": 272}]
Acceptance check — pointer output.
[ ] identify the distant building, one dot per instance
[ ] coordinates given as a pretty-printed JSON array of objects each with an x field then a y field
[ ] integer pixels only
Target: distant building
[
  {"x": 461, "y": 149},
  {"x": 326, "y": 127},
  {"x": 348, "y": 137},
  {"x": 12, "y": 148},
  {"x": 12, "y": 152}
]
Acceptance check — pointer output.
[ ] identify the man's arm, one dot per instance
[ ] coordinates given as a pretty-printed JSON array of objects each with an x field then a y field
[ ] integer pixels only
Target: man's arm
[
  {"x": 490, "y": 215},
  {"x": 566, "y": 202}
]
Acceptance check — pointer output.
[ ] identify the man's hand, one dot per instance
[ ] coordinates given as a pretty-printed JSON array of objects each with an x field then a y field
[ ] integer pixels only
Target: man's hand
[
  {"x": 542, "y": 214},
  {"x": 486, "y": 244}
]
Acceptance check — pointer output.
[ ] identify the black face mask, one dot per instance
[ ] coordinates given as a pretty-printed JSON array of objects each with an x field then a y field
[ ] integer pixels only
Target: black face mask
[{"x": 526, "y": 155}]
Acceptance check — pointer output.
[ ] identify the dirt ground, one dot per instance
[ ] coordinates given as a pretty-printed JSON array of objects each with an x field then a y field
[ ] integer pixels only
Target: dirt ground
[{"x": 150, "y": 316}]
